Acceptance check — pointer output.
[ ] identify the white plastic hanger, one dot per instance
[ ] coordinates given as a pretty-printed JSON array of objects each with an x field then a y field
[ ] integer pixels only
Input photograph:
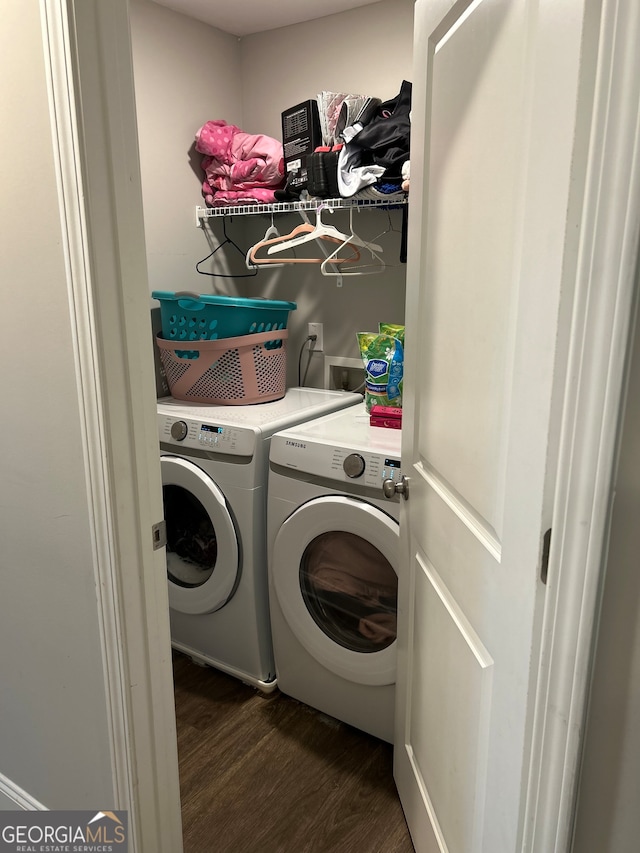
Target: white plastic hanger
[
  {"x": 331, "y": 265},
  {"x": 304, "y": 231},
  {"x": 270, "y": 233},
  {"x": 321, "y": 230}
]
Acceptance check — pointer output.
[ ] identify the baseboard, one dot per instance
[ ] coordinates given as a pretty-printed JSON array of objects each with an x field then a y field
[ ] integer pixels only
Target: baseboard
[{"x": 13, "y": 798}]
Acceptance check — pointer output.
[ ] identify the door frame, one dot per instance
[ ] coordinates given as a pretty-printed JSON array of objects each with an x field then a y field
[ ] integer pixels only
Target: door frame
[
  {"x": 599, "y": 310},
  {"x": 93, "y": 115},
  {"x": 89, "y": 69}
]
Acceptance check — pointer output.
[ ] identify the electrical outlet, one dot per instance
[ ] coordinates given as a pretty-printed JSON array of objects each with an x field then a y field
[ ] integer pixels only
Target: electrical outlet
[{"x": 318, "y": 344}]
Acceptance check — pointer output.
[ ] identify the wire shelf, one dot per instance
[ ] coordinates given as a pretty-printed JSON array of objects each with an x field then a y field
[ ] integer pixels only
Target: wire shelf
[{"x": 203, "y": 213}]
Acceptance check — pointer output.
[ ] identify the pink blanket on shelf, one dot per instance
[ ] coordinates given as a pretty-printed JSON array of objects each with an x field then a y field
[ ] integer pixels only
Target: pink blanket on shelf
[
  {"x": 239, "y": 166},
  {"x": 257, "y": 195}
]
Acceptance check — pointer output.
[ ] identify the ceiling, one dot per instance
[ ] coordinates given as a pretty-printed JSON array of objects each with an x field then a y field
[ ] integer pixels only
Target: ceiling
[{"x": 243, "y": 17}]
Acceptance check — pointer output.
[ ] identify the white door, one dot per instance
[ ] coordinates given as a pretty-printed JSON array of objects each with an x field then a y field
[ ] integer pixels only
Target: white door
[{"x": 494, "y": 111}]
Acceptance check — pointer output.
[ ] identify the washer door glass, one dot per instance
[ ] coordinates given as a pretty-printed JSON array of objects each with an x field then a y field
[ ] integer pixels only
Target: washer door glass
[
  {"x": 202, "y": 544},
  {"x": 350, "y": 590},
  {"x": 192, "y": 544},
  {"x": 334, "y": 573}
]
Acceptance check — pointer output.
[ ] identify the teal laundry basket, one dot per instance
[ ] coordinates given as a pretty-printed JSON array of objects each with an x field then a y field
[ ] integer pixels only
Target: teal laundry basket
[{"x": 187, "y": 316}]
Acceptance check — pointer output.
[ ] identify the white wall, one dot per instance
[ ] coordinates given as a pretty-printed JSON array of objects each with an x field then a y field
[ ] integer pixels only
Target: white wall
[
  {"x": 205, "y": 74},
  {"x": 54, "y": 744},
  {"x": 608, "y": 818},
  {"x": 367, "y": 51},
  {"x": 185, "y": 74}
]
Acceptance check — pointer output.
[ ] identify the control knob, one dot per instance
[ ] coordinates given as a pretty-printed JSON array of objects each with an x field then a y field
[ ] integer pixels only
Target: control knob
[
  {"x": 353, "y": 465},
  {"x": 179, "y": 430}
]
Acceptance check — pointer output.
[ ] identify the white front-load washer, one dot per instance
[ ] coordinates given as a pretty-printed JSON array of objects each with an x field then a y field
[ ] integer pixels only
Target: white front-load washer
[
  {"x": 333, "y": 567},
  {"x": 214, "y": 463}
]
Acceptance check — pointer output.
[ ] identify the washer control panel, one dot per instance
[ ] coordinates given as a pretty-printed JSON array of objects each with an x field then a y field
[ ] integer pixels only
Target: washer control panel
[{"x": 217, "y": 438}]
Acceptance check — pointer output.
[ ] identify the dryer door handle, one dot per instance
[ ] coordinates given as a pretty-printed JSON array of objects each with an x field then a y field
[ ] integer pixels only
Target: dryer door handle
[{"x": 390, "y": 488}]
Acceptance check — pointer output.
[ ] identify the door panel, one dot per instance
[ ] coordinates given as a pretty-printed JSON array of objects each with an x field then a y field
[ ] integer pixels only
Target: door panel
[
  {"x": 476, "y": 113},
  {"x": 493, "y": 117},
  {"x": 450, "y": 747}
]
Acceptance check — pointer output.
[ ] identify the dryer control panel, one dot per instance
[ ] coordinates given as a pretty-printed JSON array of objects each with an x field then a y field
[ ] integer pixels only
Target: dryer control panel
[
  {"x": 216, "y": 438},
  {"x": 360, "y": 466},
  {"x": 371, "y": 469}
]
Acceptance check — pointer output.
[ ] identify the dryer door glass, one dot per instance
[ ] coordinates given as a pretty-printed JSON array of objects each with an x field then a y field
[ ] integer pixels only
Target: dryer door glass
[
  {"x": 192, "y": 545},
  {"x": 350, "y": 590}
]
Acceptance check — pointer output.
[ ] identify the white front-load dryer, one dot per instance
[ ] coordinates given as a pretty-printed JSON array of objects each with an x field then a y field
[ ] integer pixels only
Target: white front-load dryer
[
  {"x": 214, "y": 465},
  {"x": 333, "y": 567}
]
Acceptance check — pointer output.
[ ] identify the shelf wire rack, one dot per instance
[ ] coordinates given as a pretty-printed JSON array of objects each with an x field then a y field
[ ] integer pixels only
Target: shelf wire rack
[{"x": 204, "y": 213}]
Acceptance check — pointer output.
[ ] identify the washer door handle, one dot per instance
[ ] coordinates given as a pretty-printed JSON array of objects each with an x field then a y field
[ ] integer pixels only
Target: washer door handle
[{"x": 396, "y": 487}]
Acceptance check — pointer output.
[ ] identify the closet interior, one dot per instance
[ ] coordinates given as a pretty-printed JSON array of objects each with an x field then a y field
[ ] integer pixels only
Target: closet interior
[
  {"x": 186, "y": 74},
  {"x": 205, "y": 75}
]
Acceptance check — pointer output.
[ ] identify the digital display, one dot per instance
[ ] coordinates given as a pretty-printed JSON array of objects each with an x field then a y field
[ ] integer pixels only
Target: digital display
[
  {"x": 392, "y": 463},
  {"x": 209, "y": 428}
]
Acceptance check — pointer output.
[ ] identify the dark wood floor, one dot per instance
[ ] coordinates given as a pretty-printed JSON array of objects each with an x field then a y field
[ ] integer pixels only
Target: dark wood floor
[{"x": 267, "y": 774}]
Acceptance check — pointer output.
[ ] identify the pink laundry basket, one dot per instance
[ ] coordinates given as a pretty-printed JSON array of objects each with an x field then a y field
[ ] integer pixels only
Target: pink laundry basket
[{"x": 229, "y": 371}]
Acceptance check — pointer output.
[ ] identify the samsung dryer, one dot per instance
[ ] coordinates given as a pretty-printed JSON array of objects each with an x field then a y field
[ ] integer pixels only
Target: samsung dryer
[
  {"x": 333, "y": 567},
  {"x": 214, "y": 464}
]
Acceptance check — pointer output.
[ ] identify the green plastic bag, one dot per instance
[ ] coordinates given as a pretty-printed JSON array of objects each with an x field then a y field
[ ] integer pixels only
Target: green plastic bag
[
  {"x": 383, "y": 359},
  {"x": 392, "y": 329}
]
